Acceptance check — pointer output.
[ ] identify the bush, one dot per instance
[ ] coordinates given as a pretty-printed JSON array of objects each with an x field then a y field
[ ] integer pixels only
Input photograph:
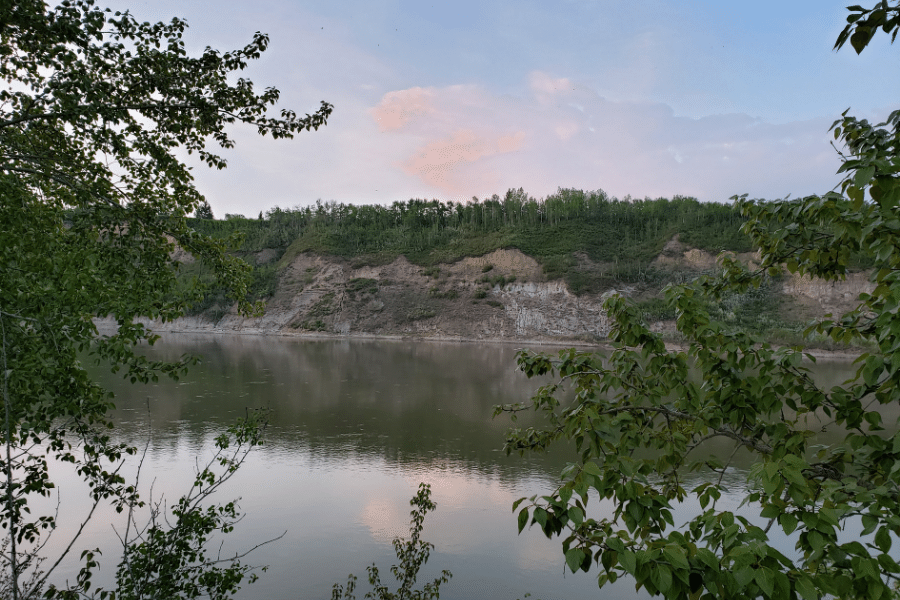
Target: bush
[
  {"x": 413, "y": 554},
  {"x": 419, "y": 313}
]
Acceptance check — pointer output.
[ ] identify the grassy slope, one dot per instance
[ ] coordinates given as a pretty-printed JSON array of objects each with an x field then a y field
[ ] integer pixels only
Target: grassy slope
[{"x": 592, "y": 242}]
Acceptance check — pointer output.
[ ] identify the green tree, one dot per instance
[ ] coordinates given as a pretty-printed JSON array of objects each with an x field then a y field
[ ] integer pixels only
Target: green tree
[
  {"x": 95, "y": 109},
  {"x": 413, "y": 554},
  {"x": 643, "y": 418},
  {"x": 204, "y": 211}
]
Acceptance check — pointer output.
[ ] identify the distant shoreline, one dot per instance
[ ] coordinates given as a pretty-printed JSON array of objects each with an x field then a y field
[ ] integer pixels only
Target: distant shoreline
[{"x": 107, "y": 326}]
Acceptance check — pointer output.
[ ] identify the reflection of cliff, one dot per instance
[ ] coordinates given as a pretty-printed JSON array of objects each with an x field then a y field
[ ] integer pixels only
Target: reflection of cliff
[
  {"x": 414, "y": 405},
  {"x": 409, "y": 403}
]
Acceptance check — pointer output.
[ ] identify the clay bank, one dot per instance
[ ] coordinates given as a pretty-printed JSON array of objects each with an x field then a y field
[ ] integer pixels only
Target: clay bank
[{"x": 500, "y": 296}]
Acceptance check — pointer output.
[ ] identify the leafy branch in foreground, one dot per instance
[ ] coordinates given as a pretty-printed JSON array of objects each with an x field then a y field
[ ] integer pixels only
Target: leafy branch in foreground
[
  {"x": 167, "y": 556},
  {"x": 97, "y": 110},
  {"x": 656, "y": 429},
  {"x": 412, "y": 553}
]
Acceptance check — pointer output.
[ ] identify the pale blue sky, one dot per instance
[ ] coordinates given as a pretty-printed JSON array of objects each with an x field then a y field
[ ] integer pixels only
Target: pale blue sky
[{"x": 455, "y": 99}]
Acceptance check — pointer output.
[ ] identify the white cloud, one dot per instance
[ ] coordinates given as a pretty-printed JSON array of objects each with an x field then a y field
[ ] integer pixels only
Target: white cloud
[
  {"x": 459, "y": 141},
  {"x": 471, "y": 142}
]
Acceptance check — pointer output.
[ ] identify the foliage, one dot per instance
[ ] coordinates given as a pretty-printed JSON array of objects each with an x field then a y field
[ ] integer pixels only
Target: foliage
[
  {"x": 419, "y": 313},
  {"x": 95, "y": 110},
  {"x": 655, "y": 309},
  {"x": 431, "y": 232},
  {"x": 863, "y": 24},
  {"x": 169, "y": 559},
  {"x": 204, "y": 211},
  {"x": 362, "y": 285},
  {"x": 412, "y": 553},
  {"x": 622, "y": 237},
  {"x": 752, "y": 309},
  {"x": 421, "y": 229},
  {"x": 648, "y": 423}
]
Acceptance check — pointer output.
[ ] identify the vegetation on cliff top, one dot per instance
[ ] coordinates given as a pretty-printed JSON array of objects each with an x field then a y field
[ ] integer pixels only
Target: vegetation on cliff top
[
  {"x": 590, "y": 240},
  {"x": 621, "y": 236}
]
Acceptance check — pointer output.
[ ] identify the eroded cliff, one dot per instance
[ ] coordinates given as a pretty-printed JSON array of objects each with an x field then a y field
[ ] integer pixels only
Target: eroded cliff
[{"x": 502, "y": 295}]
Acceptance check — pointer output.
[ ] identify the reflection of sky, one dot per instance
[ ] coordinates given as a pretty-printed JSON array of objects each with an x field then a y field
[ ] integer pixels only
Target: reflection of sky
[
  {"x": 341, "y": 515},
  {"x": 354, "y": 429},
  {"x": 340, "y": 464}
]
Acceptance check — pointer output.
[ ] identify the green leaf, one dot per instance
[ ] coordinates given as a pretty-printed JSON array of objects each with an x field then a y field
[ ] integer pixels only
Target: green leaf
[
  {"x": 523, "y": 519},
  {"x": 869, "y": 522},
  {"x": 576, "y": 515},
  {"x": 708, "y": 558},
  {"x": 765, "y": 579},
  {"x": 888, "y": 564},
  {"x": 661, "y": 577},
  {"x": 788, "y": 522},
  {"x": 883, "y": 539},
  {"x": 771, "y": 484},
  {"x": 744, "y": 575},
  {"x": 591, "y": 468},
  {"x": 860, "y": 38},
  {"x": 815, "y": 540},
  {"x": 574, "y": 558},
  {"x": 863, "y": 176},
  {"x": 676, "y": 556},
  {"x": 876, "y": 589},
  {"x": 805, "y": 588},
  {"x": 616, "y": 544},
  {"x": 628, "y": 561}
]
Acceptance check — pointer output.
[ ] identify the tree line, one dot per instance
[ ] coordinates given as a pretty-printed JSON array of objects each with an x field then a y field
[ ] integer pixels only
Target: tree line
[{"x": 605, "y": 227}]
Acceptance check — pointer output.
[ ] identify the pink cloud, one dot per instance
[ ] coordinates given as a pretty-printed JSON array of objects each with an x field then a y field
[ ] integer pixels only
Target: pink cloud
[
  {"x": 441, "y": 163},
  {"x": 510, "y": 143},
  {"x": 543, "y": 84},
  {"x": 399, "y": 108},
  {"x": 463, "y": 140}
]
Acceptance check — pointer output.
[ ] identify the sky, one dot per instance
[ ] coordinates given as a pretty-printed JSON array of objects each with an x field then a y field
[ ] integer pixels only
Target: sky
[{"x": 450, "y": 100}]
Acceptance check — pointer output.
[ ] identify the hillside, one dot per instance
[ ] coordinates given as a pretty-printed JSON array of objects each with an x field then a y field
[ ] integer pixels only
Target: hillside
[{"x": 511, "y": 269}]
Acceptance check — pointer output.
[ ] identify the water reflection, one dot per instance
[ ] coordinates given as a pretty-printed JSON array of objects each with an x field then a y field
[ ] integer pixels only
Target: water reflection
[{"x": 355, "y": 426}]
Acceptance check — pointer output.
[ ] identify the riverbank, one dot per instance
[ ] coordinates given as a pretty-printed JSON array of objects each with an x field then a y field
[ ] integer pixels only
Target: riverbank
[{"x": 107, "y": 326}]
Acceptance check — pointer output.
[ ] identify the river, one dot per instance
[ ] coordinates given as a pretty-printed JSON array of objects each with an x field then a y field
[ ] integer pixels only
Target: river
[{"x": 354, "y": 427}]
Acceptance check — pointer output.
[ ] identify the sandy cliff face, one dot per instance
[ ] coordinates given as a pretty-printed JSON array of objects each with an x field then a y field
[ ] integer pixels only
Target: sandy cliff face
[
  {"x": 498, "y": 296},
  {"x": 823, "y": 297},
  {"x": 501, "y": 295}
]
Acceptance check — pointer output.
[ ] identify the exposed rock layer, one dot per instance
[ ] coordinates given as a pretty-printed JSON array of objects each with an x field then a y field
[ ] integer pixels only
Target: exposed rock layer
[{"x": 498, "y": 296}]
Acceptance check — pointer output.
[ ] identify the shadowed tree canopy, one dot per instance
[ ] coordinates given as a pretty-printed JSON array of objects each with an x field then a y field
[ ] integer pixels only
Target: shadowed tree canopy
[
  {"x": 96, "y": 110},
  {"x": 642, "y": 418},
  {"x": 204, "y": 211}
]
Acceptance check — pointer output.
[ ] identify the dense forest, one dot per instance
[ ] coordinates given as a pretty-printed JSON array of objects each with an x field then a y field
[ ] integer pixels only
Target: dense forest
[{"x": 622, "y": 235}]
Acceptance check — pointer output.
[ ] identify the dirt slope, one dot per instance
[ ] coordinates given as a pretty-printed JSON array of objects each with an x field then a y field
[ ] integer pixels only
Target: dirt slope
[{"x": 499, "y": 296}]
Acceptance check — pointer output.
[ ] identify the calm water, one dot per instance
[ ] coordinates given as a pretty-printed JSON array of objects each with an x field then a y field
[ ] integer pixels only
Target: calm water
[{"x": 355, "y": 426}]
